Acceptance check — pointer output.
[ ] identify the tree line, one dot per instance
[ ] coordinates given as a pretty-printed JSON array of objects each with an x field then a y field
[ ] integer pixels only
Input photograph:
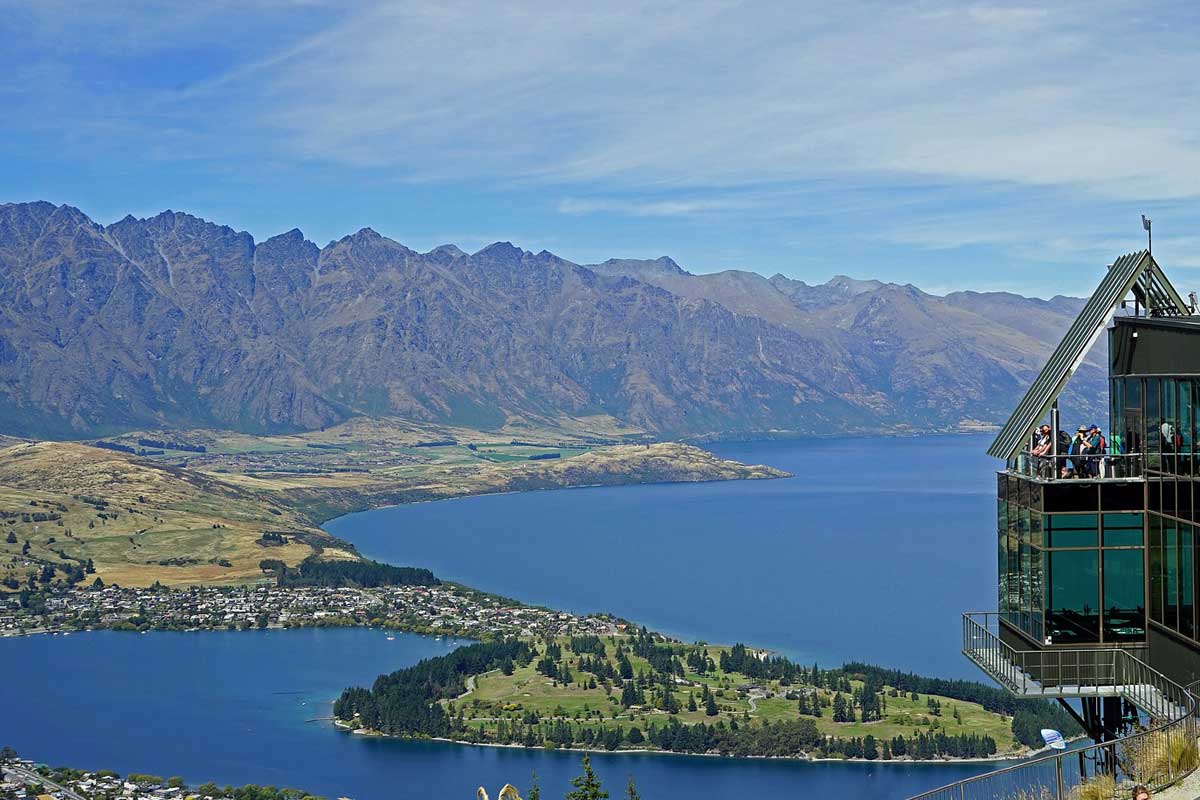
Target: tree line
[
  {"x": 366, "y": 574},
  {"x": 172, "y": 445},
  {"x": 405, "y": 702},
  {"x": 784, "y": 739}
]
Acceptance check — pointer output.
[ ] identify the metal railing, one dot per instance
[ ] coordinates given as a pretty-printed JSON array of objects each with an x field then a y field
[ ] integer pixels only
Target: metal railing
[
  {"x": 1161, "y": 750},
  {"x": 1110, "y": 466},
  {"x": 1053, "y": 672}
]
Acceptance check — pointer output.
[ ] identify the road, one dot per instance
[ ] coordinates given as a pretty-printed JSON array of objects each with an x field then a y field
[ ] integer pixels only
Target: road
[{"x": 33, "y": 777}]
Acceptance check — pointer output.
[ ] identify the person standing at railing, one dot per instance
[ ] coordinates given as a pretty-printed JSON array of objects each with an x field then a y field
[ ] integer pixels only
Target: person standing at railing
[
  {"x": 1076, "y": 465},
  {"x": 1141, "y": 793},
  {"x": 1064, "y": 447},
  {"x": 1095, "y": 449},
  {"x": 1042, "y": 447}
]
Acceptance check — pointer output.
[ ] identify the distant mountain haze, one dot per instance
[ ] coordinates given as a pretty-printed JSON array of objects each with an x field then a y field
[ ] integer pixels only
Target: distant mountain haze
[{"x": 173, "y": 321}]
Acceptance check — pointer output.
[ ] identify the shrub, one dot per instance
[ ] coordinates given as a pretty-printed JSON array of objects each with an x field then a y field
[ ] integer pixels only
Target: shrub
[
  {"x": 1162, "y": 755},
  {"x": 1101, "y": 787}
]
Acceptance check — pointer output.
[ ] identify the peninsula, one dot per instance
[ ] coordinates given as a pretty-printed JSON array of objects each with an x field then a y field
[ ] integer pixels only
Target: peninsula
[
  {"x": 631, "y": 689},
  {"x": 199, "y": 506}
]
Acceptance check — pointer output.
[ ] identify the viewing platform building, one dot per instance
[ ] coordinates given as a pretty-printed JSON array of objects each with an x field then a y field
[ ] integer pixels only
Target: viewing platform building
[{"x": 1098, "y": 549}]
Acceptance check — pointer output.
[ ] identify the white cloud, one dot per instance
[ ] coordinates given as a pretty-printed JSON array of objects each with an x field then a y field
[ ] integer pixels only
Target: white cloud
[
  {"x": 709, "y": 93},
  {"x": 723, "y": 94},
  {"x": 652, "y": 208}
]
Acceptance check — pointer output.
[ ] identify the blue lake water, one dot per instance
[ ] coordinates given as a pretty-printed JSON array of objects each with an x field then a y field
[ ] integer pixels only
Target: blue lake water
[
  {"x": 235, "y": 708},
  {"x": 871, "y": 552}
]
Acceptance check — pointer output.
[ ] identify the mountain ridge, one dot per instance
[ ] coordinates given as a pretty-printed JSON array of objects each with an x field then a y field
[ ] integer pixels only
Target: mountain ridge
[{"x": 177, "y": 321}]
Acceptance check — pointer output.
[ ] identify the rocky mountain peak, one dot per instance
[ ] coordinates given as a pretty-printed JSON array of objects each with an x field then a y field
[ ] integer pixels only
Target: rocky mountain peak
[
  {"x": 451, "y": 250},
  {"x": 641, "y": 269},
  {"x": 503, "y": 252},
  {"x": 851, "y": 286}
]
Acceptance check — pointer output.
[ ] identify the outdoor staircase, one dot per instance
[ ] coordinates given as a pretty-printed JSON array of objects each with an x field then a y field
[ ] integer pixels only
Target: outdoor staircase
[{"x": 1168, "y": 711}]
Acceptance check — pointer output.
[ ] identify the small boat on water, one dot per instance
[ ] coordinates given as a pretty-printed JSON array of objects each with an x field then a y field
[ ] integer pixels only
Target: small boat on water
[{"x": 391, "y": 638}]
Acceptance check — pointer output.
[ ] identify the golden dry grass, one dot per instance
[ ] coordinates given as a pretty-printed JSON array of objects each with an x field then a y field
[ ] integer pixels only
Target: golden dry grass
[
  {"x": 150, "y": 513},
  {"x": 1159, "y": 756}
]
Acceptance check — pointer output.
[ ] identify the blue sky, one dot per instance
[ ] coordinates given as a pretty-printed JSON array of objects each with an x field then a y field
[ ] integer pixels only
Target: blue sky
[{"x": 944, "y": 144}]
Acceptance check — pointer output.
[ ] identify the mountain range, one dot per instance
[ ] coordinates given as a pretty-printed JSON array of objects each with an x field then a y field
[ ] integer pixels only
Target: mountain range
[{"x": 174, "y": 321}]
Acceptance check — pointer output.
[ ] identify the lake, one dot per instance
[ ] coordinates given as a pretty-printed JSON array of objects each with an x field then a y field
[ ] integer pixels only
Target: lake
[
  {"x": 870, "y": 552},
  {"x": 235, "y": 707}
]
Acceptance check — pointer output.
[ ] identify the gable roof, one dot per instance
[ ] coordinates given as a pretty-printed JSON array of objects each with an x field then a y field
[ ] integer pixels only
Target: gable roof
[{"x": 1134, "y": 272}]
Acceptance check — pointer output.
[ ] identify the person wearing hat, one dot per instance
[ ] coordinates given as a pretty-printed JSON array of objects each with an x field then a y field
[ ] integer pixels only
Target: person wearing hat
[
  {"x": 1077, "y": 465},
  {"x": 1095, "y": 448}
]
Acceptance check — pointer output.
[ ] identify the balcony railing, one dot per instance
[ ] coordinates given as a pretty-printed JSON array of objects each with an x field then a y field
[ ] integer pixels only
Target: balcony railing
[
  {"x": 1160, "y": 750},
  {"x": 1053, "y": 672},
  {"x": 1113, "y": 466}
]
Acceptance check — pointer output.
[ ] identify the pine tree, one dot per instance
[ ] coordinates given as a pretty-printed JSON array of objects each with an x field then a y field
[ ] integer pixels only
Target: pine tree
[
  {"x": 710, "y": 706},
  {"x": 535, "y": 791},
  {"x": 625, "y": 667},
  {"x": 587, "y": 786},
  {"x": 691, "y": 704},
  {"x": 631, "y": 792},
  {"x": 839, "y": 708}
]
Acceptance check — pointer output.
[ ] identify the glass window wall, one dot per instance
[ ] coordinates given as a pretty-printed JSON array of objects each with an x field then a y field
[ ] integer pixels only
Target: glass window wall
[
  {"x": 1155, "y": 558},
  {"x": 1072, "y": 608},
  {"x": 1124, "y": 590},
  {"x": 1071, "y": 577}
]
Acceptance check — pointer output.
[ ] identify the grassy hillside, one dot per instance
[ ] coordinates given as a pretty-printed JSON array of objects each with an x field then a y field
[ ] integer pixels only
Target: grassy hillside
[
  {"x": 192, "y": 506},
  {"x": 138, "y": 521},
  {"x": 738, "y": 698}
]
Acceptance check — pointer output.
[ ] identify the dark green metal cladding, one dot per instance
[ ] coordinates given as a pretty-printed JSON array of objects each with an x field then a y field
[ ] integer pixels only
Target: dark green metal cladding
[{"x": 1135, "y": 272}]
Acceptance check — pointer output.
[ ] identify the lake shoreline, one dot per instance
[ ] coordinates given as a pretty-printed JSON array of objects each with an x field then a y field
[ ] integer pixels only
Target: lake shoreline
[
  {"x": 822, "y": 437},
  {"x": 933, "y": 762}
]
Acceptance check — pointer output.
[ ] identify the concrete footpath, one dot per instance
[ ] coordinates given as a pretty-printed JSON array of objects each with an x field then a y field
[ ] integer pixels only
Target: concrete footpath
[{"x": 1187, "y": 789}]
